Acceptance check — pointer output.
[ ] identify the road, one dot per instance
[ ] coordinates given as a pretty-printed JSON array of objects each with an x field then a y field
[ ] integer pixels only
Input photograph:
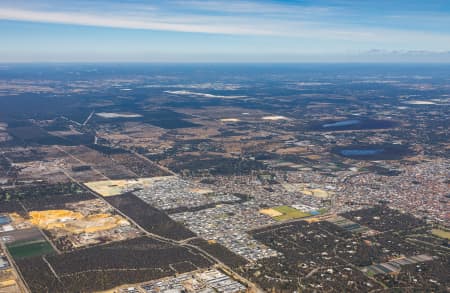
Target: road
[
  {"x": 89, "y": 118},
  {"x": 21, "y": 283},
  {"x": 181, "y": 243}
]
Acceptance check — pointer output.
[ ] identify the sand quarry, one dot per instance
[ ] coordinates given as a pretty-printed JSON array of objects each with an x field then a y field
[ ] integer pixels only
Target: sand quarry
[{"x": 75, "y": 222}]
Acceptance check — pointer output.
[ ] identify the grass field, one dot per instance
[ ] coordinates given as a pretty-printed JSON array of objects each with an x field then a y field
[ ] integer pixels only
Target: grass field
[
  {"x": 441, "y": 233},
  {"x": 289, "y": 213},
  {"x": 29, "y": 249}
]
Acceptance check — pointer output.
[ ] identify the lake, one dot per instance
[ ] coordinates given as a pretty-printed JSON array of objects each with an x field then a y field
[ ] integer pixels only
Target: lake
[{"x": 373, "y": 152}]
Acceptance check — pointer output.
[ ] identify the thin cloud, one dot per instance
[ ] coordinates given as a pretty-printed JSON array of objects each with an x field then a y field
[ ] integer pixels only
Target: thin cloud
[
  {"x": 182, "y": 23},
  {"x": 121, "y": 22},
  {"x": 232, "y": 18},
  {"x": 256, "y": 8}
]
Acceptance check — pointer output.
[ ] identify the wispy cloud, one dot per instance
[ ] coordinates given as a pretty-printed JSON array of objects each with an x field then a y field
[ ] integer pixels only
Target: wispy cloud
[
  {"x": 216, "y": 17},
  {"x": 256, "y": 8},
  {"x": 188, "y": 19},
  {"x": 126, "y": 22},
  {"x": 327, "y": 20}
]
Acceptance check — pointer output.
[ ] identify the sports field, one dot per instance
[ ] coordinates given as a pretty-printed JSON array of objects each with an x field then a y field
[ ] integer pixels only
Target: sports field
[
  {"x": 289, "y": 213},
  {"x": 29, "y": 249},
  {"x": 441, "y": 233}
]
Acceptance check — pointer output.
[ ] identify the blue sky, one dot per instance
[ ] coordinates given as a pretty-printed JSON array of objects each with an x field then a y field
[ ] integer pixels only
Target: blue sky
[{"x": 225, "y": 31}]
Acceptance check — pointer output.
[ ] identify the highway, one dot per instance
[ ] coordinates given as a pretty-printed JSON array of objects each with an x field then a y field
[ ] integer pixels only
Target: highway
[{"x": 181, "y": 243}]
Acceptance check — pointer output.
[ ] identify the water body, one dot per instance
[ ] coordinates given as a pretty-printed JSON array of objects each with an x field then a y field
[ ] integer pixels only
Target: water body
[
  {"x": 352, "y": 124},
  {"x": 361, "y": 152},
  {"x": 4, "y": 220},
  {"x": 342, "y": 123},
  {"x": 373, "y": 152}
]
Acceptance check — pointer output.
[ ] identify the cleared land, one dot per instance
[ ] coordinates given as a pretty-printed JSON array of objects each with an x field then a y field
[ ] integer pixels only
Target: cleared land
[
  {"x": 83, "y": 224},
  {"x": 75, "y": 222},
  {"x": 8, "y": 282},
  {"x": 271, "y": 213},
  {"x": 116, "y": 187}
]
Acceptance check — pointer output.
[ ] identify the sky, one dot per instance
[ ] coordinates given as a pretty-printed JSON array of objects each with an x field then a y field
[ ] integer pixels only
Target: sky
[{"x": 225, "y": 31}]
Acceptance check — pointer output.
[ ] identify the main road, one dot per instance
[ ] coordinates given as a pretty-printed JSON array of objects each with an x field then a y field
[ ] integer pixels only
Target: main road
[{"x": 181, "y": 243}]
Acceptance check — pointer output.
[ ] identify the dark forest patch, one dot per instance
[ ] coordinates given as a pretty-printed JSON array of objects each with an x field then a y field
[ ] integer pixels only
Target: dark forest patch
[
  {"x": 107, "y": 266},
  {"x": 148, "y": 217}
]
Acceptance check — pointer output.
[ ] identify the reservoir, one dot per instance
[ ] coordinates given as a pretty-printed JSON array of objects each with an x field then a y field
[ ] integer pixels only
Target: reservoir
[
  {"x": 373, "y": 152},
  {"x": 342, "y": 123},
  {"x": 361, "y": 152},
  {"x": 352, "y": 124}
]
